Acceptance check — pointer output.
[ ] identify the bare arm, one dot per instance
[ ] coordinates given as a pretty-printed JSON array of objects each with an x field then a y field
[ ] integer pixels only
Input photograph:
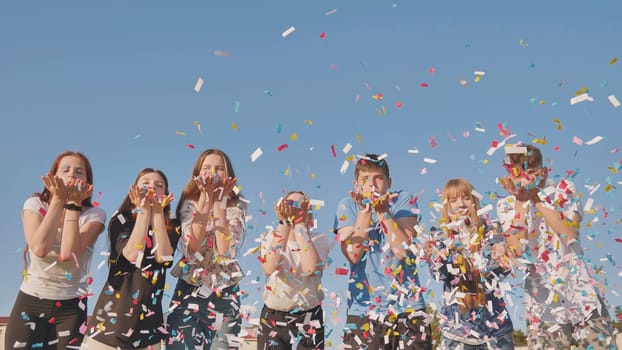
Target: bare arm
[{"x": 278, "y": 244}]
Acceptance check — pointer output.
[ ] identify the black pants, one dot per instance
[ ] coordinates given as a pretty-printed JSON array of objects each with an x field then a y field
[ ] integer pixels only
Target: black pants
[
  {"x": 410, "y": 333},
  {"x": 277, "y": 328},
  {"x": 45, "y": 324}
]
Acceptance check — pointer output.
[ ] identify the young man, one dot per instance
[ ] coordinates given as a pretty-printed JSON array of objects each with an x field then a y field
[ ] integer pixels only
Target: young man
[
  {"x": 541, "y": 225},
  {"x": 385, "y": 306}
]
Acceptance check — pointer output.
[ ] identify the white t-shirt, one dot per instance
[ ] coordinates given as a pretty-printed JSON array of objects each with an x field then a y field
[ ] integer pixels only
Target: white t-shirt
[
  {"x": 558, "y": 286},
  {"x": 49, "y": 278},
  {"x": 287, "y": 288}
]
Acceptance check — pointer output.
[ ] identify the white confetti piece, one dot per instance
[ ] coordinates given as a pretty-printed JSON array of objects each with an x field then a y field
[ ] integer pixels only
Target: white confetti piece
[
  {"x": 331, "y": 12},
  {"x": 316, "y": 202},
  {"x": 594, "y": 140},
  {"x": 588, "y": 204},
  {"x": 477, "y": 194},
  {"x": 198, "y": 85},
  {"x": 479, "y": 73},
  {"x": 288, "y": 31},
  {"x": 484, "y": 210},
  {"x": 581, "y": 98},
  {"x": 344, "y": 167},
  {"x": 480, "y": 129},
  {"x": 347, "y": 148},
  {"x": 429, "y": 160},
  {"x": 515, "y": 150},
  {"x": 413, "y": 151},
  {"x": 614, "y": 101},
  {"x": 258, "y": 152}
]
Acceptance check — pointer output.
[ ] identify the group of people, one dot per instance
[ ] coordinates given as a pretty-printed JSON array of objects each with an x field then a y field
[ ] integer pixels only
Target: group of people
[{"x": 536, "y": 232}]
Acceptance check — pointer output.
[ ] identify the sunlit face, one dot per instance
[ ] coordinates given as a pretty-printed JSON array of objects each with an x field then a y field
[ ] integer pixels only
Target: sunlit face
[
  {"x": 460, "y": 204},
  {"x": 526, "y": 177},
  {"x": 372, "y": 181},
  {"x": 154, "y": 181},
  {"x": 295, "y": 199},
  {"x": 71, "y": 167},
  {"x": 214, "y": 164}
]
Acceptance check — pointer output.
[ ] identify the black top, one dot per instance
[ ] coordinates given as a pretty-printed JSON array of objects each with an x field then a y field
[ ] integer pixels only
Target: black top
[{"x": 130, "y": 304}]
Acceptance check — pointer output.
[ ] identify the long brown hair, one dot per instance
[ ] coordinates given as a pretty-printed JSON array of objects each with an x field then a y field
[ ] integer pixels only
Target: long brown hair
[
  {"x": 46, "y": 195},
  {"x": 191, "y": 190},
  {"x": 472, "y": 285}
]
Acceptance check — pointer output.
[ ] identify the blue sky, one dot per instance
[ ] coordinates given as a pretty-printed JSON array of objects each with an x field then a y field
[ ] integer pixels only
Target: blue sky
[{"x": 116, "y": 81}]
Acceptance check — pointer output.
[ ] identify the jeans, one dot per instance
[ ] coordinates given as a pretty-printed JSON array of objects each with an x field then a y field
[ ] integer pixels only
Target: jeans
[
  {"x": 45, "y": 324},
  {"x": 503, "y": 342},
  {"x": 203, "y": 322}
]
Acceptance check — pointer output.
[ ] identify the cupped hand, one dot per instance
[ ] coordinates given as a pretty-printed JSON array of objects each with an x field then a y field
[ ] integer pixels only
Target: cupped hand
[{"x": 56, "y": 186}]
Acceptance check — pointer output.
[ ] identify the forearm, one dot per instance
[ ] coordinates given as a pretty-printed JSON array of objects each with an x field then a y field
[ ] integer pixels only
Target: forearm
[
  {"x": 136, "y": 241},
  {"x": 197, "y": 232},
  {"x": 221, "y": 229},
  {"x": 309, "y": 258},
  {"x": 272, "y": 259},
  {"x": 70, "y": 243},
  {"x": 162, "y": 245},
  {"x": 42, "y": 241},
  {"x": 354, "y": 247},
  {"x": 398, "y": 238},
  {"x": 565, "y": 229}
]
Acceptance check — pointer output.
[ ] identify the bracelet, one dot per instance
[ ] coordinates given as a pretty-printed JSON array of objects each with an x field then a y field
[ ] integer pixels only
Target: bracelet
[
  {"x": 281, "y": 222},
  {"x": 73, "y": 207}
]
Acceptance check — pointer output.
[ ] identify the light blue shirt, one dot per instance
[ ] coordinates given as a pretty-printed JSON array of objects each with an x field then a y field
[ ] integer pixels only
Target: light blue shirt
[{"x": 380, "y": 282}]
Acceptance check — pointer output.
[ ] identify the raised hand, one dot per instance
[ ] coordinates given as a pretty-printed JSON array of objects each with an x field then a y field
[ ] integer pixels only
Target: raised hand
[
  {"x": 381, "y": 204},
  {"x": 78, "y": 190},
  {"x": 501, "y": 256},
  {"x": 363, "y": 201},
  {"x": 142, "y": 197},
  {"x": 56, "y": 186}
]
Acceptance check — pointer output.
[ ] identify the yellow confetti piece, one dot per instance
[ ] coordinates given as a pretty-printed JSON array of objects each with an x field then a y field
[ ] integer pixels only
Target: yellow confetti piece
[
  {"x": 359, "y": 285},
  {"x": 195, "y": 123},
  {"x": 613, "y": 170},
  {"x": 485, "y": 161},
  {"x": 613, "y": 60},
  {"x": 384, "y": 109},
  {"x": 559, "y": 124},
  {"x": 378, "y": 112},
  {"x": 286, "y": 172},
  {"x": 582, "y": 91},
  {"x": 542, "y": 102},
  {"x": 313, "y": 176},
  {"x": 540, "y": 141},
  {"x": 609, "y": 188},
  {"x": 358, "y": 138},
  {"x": 350, "y": 158},
  {"x": 477, "y": 78},
  {"x": 308, "y": 122},
  {"x": 234, "y": 126},
  {"x": 183, "y": 133},
  {"x": 294, "y": 137}
]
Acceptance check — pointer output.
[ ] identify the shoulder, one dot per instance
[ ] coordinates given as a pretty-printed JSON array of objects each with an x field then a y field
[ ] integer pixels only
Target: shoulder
[{"x": 34, "y": 203}]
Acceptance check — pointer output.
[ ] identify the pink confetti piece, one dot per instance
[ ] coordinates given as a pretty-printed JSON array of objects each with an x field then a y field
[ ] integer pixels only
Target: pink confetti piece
[
  {"x": 577, "y": 141},
  {"x": 323, "y": 35},
  {"x": 424, "y": 85},
  {"x": 341, "y": 271},
  {"x": 42, "y": 211},
  {"x": 282, "y": 147},
  {"x": 332, "y": 149},
  {"x": 357, "y": 97},
  {"x": 431, "y": 70},
  {"x": 424, "y": 171},
  {"x": 432, "y": 142},
  {"x": 615, "y": 150},
  {"x": 190, "y": 146},
  {"x": 398, "y": 104}
]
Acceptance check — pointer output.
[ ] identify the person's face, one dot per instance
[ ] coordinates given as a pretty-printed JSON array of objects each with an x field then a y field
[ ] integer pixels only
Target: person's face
[
  {"x": 71, "y": 167},
  {"x": 213, "y": 165},
  {"x": 524, "y": 178},
  {"x": 460, "y": 205},
  {"x": 154, "y": 181},
  {"x": 374, "y": 181},
  {"x": 295, "y": 200}
]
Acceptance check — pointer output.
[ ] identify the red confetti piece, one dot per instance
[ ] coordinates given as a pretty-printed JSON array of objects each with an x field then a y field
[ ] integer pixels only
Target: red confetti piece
[
  {"x": 433, "y": 142},
  {"x": 424, "y": 85},
  {"x": 52, "y": 320},
  {"x": 323, "y": 35},
  {"x": 282, "y": 147},
  {"x": 494, "y": 143},
  {"x": 42, "y": 211},
  {"x": 341, "y": 271},
  {"x": 556, "y": 148},
  {"x": 332, "y": 149},
  {"x": 619, "y": 240},
  {"x": 190, "y": 146},
  {"x": 398, "y": 104},
  {"x": 432, "y": 70},
  {"x": 504, "y": 131}
]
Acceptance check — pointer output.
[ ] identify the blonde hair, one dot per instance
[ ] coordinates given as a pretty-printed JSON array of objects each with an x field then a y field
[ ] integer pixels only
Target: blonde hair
[{"x": 475, "y": 294}]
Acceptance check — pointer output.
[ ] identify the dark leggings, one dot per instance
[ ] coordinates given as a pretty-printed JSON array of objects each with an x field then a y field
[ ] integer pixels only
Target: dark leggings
[{"x": 45, "y": 324}]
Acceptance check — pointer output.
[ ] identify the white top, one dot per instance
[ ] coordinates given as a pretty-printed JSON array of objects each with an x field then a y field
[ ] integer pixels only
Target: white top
[
  {"x": 207, "y": 269},
  {"x": 48, "y": 278},
  {"x": 288, "y": 288},
  {"x": 558, "y": 286}
]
